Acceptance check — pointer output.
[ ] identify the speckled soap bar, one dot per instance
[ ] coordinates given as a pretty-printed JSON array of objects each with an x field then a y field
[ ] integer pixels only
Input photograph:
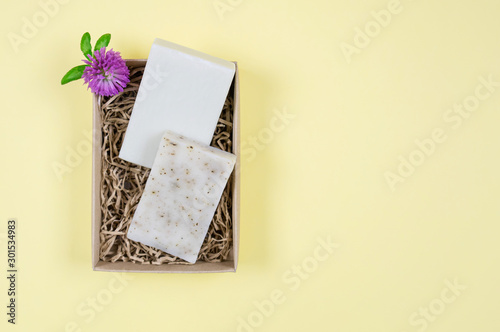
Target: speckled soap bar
[{"x": 182, "y": 192}]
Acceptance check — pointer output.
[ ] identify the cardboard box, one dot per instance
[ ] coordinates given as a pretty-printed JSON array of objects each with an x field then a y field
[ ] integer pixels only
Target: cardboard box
[{"x": 199, "y": 267}]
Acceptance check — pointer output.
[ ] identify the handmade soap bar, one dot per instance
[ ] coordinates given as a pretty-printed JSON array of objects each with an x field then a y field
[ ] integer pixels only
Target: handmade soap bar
[
  {"x": 182, "y": 192},
  {"x": 182, "y": 90}
]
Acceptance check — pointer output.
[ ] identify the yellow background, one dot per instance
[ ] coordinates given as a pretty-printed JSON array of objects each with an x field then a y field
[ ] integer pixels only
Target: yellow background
[{"x": 320, "y": 175}]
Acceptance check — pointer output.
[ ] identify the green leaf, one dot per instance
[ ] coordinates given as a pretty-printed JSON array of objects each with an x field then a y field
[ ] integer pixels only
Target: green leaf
[
  {"x": 102, "y": 42},
  {"x": 73, "y": 74},
  {"x": 85, "y": 45}
]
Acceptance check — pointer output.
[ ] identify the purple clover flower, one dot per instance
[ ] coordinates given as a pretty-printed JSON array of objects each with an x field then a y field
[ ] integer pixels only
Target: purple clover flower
[{"x": 107, "y": 73}]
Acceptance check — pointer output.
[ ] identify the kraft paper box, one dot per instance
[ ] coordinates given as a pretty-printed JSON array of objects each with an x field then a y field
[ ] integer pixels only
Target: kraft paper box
[{"x": 228, "y": 265}]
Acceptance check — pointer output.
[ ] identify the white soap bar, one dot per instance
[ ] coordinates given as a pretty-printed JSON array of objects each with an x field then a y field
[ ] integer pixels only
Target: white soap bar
[
  {"x": 182, "y": 90},
  {"x": 182, "y": 192}
]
